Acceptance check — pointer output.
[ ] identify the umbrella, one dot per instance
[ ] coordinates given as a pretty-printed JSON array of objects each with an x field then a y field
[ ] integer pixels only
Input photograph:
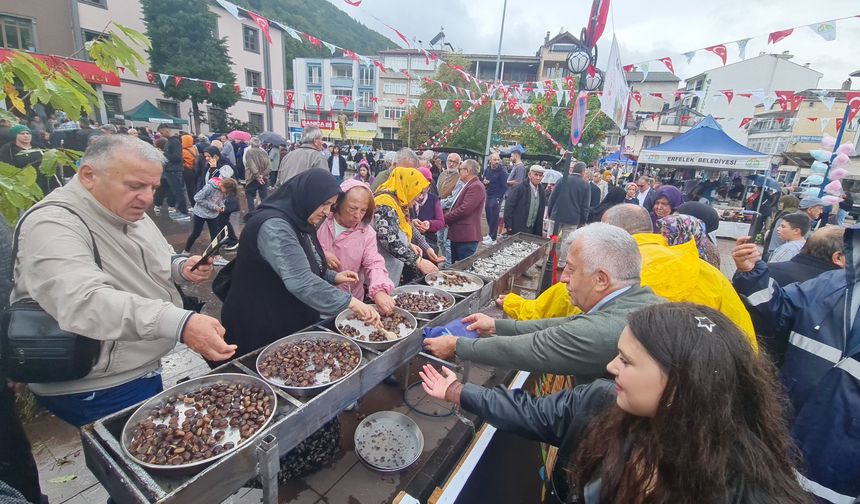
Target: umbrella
[
  {"x": 761, "y": 180},
  {"x": 273, "y": 138},
  {"x": 551, "y": 177},
  {"x": 241, "y": 136}
]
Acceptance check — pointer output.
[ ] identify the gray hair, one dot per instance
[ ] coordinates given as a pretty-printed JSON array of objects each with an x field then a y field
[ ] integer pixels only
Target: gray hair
[
  {"x": 473, "y": 166},
  {"x": 105, "y": 148},
  {"x": 825, "y": 242},
  {"x": 428, "y": 155},
  {"x": 311, "y": 134},
  {"x": 406, "y": 157},
  {"x": 255, "y": 142},
  {"x": 389, "y": 158},
  {"x": 631, "y": 218},
  {"x": 611, "y": 249}
]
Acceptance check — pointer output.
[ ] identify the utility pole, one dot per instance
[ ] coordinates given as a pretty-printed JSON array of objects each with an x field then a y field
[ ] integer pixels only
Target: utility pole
[
  {"x": 409, "y": 96},
  {"x": 496, "y": 80}
]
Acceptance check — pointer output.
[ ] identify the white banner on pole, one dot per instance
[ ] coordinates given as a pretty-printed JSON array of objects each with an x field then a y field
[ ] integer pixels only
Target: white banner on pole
[{"x": 616, "y": 94}]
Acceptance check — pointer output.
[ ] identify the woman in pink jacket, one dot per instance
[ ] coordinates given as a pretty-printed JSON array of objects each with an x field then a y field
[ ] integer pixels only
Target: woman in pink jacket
[{"x": 349, "y": 243}]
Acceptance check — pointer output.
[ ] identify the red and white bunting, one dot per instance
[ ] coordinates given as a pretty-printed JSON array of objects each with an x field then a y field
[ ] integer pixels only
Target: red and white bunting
[{"x": 719, "y": 50}]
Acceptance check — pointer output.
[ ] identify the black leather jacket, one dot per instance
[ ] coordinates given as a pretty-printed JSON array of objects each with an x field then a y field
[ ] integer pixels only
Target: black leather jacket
[{"x": 560, "y": 419}]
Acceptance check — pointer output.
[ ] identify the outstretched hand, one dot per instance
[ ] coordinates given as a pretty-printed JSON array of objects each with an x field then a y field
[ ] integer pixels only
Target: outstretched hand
[{"x": 434, "y": 383}]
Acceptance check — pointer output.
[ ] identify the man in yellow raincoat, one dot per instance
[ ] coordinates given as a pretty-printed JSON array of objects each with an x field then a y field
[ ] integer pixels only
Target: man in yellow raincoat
[{"x": 675, "y": 273}]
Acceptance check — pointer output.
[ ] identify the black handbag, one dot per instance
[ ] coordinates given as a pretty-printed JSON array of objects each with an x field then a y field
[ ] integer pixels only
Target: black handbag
[{"x": 33, "y": 347}]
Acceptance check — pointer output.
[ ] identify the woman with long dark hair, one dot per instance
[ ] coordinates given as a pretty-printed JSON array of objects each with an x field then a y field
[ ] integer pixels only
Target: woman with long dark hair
[{"x": 693, "y": 416}]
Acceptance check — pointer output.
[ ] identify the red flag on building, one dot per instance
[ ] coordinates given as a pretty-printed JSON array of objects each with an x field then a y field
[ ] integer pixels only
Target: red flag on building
[
  {"x": 745, "y": 121},
  {"x": 318, "y": 99},
  {"x": 262, "y": 93},
  {"x": 290, "y": 97},
  {"x": 263, "y": 23},
  {"x": 380, "y": 66}
]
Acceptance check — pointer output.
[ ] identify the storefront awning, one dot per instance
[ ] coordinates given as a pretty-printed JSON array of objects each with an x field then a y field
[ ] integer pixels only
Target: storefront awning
[{"x": 88, "y": 70}]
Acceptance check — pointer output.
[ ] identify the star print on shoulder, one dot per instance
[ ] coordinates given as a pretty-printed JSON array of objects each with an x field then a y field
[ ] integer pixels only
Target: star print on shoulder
[{"x": 706, "y": 323}]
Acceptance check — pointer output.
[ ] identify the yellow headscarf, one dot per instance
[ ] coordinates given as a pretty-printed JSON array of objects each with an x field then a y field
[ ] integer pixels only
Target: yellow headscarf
[{"x": 401, "y": 187}]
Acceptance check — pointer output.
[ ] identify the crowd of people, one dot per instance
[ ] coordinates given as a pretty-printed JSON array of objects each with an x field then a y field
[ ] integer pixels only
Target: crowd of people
[{"x": 690, "y": 386}]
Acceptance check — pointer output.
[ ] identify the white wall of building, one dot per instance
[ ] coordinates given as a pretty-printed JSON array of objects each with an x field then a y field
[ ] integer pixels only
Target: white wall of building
[{"x": 766, "y": 72}]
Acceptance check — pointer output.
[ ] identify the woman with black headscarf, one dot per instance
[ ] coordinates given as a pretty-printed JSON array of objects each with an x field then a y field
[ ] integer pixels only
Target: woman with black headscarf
[
  {"x": 280, "y": 282},
  {"x": 614, "y": 196}
]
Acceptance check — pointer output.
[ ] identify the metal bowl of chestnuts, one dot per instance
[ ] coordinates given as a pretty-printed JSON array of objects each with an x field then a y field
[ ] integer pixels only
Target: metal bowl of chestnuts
[
  {"x": 305, "y": 364},
  {"x": 188, "y": 426},
  {"x": 398, "y": 326},
  {"x": 458, "y": 282},
  {"x": 422, "y": 301}
]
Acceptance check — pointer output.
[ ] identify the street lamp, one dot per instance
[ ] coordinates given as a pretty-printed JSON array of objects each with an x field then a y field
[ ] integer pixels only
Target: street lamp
[
  {"x": 592, "y": 82},
  {"x": 579, "y": 59}
]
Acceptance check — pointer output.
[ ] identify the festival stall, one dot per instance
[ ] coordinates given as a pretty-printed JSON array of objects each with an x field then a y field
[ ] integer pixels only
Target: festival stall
[{"x": 707, "y": 147}]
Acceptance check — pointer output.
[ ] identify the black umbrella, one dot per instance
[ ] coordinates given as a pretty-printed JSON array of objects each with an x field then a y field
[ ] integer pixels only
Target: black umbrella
[
  {"x": 760, "y": 180},
  {"x": 273, "y": 138}
]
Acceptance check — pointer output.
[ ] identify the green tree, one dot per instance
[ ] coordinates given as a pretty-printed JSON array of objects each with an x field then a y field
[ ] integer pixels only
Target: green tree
[
  {"x": 558, "y": 125},
  {"x": 472, "y": 132},
  {"x": 26, "y": 81},
  {"x": 184, "y": 43}
]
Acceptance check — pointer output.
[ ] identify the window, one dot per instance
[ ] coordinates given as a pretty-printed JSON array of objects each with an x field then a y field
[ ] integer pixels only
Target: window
[
  {"x": 253, "y": 79},
  {"x": 294, "y": 115},
  {"x": 613, "y": 139},
  {"x": 341, "y": 71},
  {"x": 397, "y": 62},
  {"x": 365, "y": 76},
  {"x": 217, "y": 119},
  {"x": 314, "y": 74},
  {"x": 416, "y": 87},
  {"x": 393, "y": 112},
  {"x": 563, "y": 47},
  {"x": 17, "y": 33},
  {"x": 113, "y": 106},
  {"x": 342, "y": 92},
  {"x": 251, "y": 38},
  {"x": 365, "y": 99},
  {"x": 650, "y": 141},
  {"x": 97, "y": 3},
  {"x": 89, "y": 35},
  {"x": 168, "y": 107},
  {"x": 256, "y": 121},
  {"x": 394, "y": 87},
  {"x": 553, "y": 72}
]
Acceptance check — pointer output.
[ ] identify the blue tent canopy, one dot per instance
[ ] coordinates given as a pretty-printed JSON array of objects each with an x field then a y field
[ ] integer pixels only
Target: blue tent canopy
[
  {"x": 707, "y": 146},
  {"x": 616, "y": 157}
]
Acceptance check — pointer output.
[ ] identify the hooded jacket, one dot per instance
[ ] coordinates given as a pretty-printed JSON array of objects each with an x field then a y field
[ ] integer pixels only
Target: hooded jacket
[
  {"x": 189, "y": 152},
  {"x": 821, "y": 371},
  {"x": 356, "y": 250}
]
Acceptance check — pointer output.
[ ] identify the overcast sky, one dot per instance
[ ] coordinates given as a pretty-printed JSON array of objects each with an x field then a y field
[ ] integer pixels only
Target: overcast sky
[{"x": 645, "y": 30}]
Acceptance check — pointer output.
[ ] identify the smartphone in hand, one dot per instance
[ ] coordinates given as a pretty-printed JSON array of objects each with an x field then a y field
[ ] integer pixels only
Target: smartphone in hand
[{"x": 213, "y": 248}]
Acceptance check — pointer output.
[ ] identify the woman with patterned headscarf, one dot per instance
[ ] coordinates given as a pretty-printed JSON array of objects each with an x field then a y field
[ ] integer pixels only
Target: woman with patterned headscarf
[
  {"x": 399, "y": 242},
  {"x": 680, "y": 228}
]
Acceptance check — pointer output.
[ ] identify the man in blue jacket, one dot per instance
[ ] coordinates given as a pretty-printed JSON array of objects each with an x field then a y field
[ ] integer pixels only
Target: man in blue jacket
[{"x": 821, "y": 370}]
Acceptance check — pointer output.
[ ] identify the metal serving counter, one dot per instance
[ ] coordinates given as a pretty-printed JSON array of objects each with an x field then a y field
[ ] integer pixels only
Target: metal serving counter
[{"x": 296, "y": 418}]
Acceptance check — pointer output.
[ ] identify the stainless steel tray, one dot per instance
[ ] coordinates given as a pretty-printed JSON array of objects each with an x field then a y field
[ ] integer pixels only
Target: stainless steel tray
[
  {"x": 449, "y": 298},
  {"x": 388, "y": 441},
  {"x": 436, "y": 279},
  {"x": 379, "y": 345},
  {"x": 315, "y": 336},
  {"x": 232, "y": 434}
]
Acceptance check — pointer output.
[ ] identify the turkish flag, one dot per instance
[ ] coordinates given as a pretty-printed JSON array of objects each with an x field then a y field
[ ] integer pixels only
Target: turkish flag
[
  {"x": 853, "y": 102},
  {"x": 237, "y": 89},
  {"x": 668, "y": 63},
  {"x": 150, "y": 77},
  {"x": 728, "y": 94},
  {"x": 457, "y": 104},
  {"x": 263, "y": 23},
  {"x": 838, "y": 124},
  {"x": 208, "y": 85},
  {"x": 177, "y": 79},
  {"x": 570, "y": 82},
  {"x": 318, "y": 99},
  {"x": 380, "y": 66},
  {"x": 345, "y": 100},
  {"x": 745, "y": 121},
  {"x": 628, "y": 68},
  {"x": 719, "y": 50},
  {"x": 401, "y": 101},
  {"x": 776, "y": 36},
  {"x": 313, "y": 40},
  {"x": 512, "y": 106},
  {"x": 539, "y": 108},
  {"x": 784, "y": 98},
  {"x": 657, "y": 95},
  {"x": 262, "y": 93},
  {"x": 428, "y": 104},
  {"x": 290, "y": 96},
  {"x": 638, "y": 97}
]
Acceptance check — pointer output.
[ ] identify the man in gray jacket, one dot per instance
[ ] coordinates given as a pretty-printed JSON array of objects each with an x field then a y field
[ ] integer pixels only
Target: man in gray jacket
[
  {"x": 308, "y": 155},
  {"x": 130, "y": 303},
  {"x": 603, "y": 278}
]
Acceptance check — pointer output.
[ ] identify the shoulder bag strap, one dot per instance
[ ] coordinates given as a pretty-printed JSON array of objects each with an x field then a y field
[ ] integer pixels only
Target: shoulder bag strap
[{"x": 96, "y": 255}]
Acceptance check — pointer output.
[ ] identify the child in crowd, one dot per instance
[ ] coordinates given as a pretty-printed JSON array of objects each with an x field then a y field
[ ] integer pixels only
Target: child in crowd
[
  {"x": 208, "y": 207},
  {"x": 791, "y": 231}
]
